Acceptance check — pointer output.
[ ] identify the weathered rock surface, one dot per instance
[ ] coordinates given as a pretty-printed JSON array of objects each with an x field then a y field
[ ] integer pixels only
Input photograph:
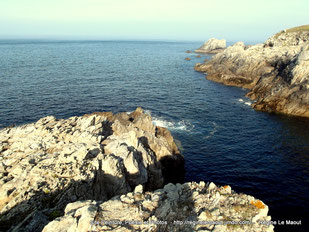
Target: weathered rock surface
[
  {"x": 286, "y": 38},
  {"x": 187, "y": 207},
  {"x": 276, "y": 72},
  {"x": 50, "y": 163},
  {"x": 212, "y": 46}
]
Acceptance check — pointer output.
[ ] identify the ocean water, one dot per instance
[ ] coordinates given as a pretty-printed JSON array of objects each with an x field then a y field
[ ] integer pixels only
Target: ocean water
[{"x": 222, "y": 138}]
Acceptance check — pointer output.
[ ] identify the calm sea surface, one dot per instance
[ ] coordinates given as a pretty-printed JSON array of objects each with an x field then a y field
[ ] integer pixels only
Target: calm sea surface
[{"x": 222, "y": 138}]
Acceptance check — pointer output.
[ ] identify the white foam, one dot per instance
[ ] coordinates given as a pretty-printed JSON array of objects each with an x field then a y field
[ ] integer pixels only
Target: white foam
[
  {"x": 245, "y": 102},
  {"x": 213, "y": 131},
  {"x": 147, "y": 112},
  {"x": 181, "y": 125},
  {"x": 161, "y": 122}
]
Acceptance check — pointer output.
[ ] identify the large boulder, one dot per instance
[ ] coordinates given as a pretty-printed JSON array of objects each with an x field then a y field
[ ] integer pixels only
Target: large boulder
[
  {"x": 47, "y": 164},
  {"x": 188, "y": 207},
  {"x": 276, "y": 72},
  {"x": 213, "y": 45}
]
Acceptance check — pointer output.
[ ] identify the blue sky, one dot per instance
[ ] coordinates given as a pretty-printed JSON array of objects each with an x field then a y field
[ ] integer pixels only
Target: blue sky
[{"x": 194, "y": 20}]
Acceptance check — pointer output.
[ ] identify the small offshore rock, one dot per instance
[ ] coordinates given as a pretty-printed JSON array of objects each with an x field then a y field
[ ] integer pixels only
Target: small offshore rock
[{"x": 213, "y": 45}]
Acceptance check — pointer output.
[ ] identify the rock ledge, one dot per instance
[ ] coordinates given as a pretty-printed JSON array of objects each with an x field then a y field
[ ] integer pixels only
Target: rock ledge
[{"x": 188, "y": 207}]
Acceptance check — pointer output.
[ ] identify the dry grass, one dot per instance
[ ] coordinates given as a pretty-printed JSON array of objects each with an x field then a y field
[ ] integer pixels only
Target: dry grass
[
  {"x": 294, "y": 29},
  {"x": 300, "y": 28}
]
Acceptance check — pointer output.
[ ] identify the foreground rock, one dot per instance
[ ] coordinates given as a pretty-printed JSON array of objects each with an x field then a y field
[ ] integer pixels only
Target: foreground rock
[
  {"x": 188, "y": 207},
  {"x": 50, "y": 163},
  {"x": 276, "y": 72},
  {"x": 212, "y": 46}
]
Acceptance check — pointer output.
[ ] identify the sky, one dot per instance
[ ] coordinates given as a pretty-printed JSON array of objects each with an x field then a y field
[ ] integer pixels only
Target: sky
[{"x": 180, "y": 20}]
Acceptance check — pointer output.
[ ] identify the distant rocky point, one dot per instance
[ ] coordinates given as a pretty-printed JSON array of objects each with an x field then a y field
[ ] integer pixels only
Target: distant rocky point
[
  {"x": 212, "y": 46},
  {"x": 276, "y": 72}
]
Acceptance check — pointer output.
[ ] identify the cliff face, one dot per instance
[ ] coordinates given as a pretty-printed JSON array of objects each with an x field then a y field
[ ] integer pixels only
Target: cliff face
[
  {"x": 276, "y": 72},
  {"x": 50, "y": 163},
  {"x": 188, "y": 207}
]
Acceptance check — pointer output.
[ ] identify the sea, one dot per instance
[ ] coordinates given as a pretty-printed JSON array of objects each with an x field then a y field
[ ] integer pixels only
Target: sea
[{"x": 221, "y": 137}]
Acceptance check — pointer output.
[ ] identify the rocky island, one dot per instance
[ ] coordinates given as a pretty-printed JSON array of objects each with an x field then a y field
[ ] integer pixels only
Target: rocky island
[
  {"x": 276, "y": 72},
  {"x": 110, "y": 172},
  {"x": 212, "y": 46}
]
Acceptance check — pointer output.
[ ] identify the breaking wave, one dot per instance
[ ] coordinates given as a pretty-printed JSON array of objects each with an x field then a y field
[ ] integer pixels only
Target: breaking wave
[
  {"x": 181, "y": 125},
  {"x": 245, "y": 102}
]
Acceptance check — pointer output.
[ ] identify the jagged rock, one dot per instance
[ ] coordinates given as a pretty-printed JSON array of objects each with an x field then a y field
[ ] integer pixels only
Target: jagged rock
[
  {"x": 288, "y": 38},
  {"x": 199, "y": 207},
  {"x": 212, "y": 46},
  {"x": 276, "y": 72},
  {"x": 47, "y": 164}
]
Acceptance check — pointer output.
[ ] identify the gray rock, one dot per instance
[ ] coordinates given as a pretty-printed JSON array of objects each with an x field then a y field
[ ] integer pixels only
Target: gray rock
[
  {"x": 50, "y": 163},
  {"x": 276, "y": 72},
  {"x": 212, "y": 46},
  {"x": 146, "y": 215},
  {"x": 138, "y": 189}
]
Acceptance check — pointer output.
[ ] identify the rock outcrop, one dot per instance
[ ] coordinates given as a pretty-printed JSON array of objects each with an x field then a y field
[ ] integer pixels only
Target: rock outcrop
[
  {"x": 276, "y": 72},
  {"x": 288, "y": 38},
  {"x": 212, "y": 46},
  {"x": 187, "y": 207},
  {"x": 47, "y": 164}
]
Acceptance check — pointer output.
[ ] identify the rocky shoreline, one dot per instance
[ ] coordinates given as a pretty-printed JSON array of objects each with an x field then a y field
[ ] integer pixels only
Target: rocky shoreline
[
  {"x": 72, "y": 174},
  {"x": 276, "y": 72}
]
